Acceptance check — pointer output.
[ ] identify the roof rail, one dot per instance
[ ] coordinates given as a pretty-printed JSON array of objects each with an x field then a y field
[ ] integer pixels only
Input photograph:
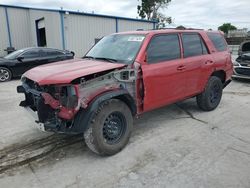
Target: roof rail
[{"x": 184, "y": 29}]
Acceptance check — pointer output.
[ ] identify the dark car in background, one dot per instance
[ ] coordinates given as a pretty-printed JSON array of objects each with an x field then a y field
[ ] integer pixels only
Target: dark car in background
[
  {"x": 242, "y": 63},
  {"x": 18, "y": 62}
]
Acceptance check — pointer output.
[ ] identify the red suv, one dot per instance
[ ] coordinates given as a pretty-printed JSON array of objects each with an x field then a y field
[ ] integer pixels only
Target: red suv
[{"x": 125, "y": 75}]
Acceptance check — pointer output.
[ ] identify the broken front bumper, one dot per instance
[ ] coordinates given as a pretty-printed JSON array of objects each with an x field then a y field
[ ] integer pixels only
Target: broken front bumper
[
  {"x": 47, "y": 111},
  {"x": 242, "y": 72},
  {"x": 34, "y": 104}
]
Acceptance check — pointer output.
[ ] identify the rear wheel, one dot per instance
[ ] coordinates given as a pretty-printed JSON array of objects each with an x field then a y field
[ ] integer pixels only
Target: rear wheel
[
  {"x": 5, "y": 74},
  {"x": 211, "y": 97},
  {"x": 110, "y": 128}
]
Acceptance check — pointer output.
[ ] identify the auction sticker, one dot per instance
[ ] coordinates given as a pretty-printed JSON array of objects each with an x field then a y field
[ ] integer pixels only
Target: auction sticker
[{"x": 136, "y": 38}]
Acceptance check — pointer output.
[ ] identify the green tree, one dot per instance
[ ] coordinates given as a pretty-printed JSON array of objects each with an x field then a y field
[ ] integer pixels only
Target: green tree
[
  {"x": 227, "y": 27},
  {"x": 149, "y": 9},
  {"x": 181, "y": 27}
]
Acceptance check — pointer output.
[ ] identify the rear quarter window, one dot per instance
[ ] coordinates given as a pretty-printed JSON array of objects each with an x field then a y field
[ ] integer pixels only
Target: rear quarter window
[{"x": 218, "y": 41}]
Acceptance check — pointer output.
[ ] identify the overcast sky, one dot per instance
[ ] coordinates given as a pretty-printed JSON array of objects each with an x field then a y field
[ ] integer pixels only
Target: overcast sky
[{"x": 190, "y": 13}]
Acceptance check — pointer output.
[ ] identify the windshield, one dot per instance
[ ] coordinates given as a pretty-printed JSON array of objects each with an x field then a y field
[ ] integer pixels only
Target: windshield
[
  {"x": 119, "y": 48},
  {"x": 246, "y": 47},
  {"x": 14, "y": 54}
]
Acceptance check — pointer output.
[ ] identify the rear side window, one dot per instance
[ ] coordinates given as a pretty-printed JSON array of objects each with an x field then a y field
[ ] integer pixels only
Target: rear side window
[
  {"x": 218, "y": 41},
  {"x": 163, "y": 48},
  {"x": 193, "y": 45},
  {"x": 53, "y": 53},
  {"x": 31, "y": 54},
  {"x": 46, "y": 52}
]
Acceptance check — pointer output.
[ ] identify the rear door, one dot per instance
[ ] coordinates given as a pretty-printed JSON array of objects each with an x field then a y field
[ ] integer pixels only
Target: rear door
[
  {"x": 163, "y": 80},
  {"x": 197, "y": 63}
]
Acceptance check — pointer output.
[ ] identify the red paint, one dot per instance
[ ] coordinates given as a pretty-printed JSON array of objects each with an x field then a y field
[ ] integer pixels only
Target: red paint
[
  {"x": 163, "y": 83},
  {"x": 64, "y": 112},
  {"x": 66, "y": 71},
  {"x": 172, "y": 81}
]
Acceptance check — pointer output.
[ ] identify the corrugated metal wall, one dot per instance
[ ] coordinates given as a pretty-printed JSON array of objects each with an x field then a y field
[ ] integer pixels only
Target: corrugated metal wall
[
  {"x": 19, "y": 27},
  {"x": 52, "y": 27},
  {"x": 126, "y": 25},
  {"x": 4, "y": 41},
  {"x": 81, "y": 31}
]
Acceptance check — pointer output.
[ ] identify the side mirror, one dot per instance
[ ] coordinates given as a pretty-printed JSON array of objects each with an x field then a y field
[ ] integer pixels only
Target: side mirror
[{"x": 20, "y": 58}]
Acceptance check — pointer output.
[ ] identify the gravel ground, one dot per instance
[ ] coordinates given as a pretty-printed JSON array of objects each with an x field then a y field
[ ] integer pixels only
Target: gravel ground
[{"x": 175, "y": 146}]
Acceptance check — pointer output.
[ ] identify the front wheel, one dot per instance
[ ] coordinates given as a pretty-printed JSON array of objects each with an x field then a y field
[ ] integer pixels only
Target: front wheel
[
  {"x": 110, "y": 128},
  {"x": 211, "y": 97},
  {"x": 5, "y": 74}
]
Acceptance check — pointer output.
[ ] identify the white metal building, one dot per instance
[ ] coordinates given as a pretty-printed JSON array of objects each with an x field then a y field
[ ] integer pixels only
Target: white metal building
[{"x": 22, "y": 27}]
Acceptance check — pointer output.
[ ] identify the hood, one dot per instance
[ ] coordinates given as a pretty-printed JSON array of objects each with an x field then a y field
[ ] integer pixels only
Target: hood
[
  {"x": 64, "y": 72},
  {"x": 245, "y": 56}
]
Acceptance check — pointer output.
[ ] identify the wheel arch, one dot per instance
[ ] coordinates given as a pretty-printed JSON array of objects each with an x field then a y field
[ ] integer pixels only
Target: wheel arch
[
  {"x": 10, "y": 69},
  {"x": 84, "y": 116},
  {"x": 221, "y": 74}
]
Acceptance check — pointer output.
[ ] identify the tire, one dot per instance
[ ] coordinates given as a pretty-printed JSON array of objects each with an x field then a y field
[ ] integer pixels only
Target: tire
[
  {"x": 211, "y": 97},
  {"x": 5, "y": 74},
  {"x": 110, "y": 128}
]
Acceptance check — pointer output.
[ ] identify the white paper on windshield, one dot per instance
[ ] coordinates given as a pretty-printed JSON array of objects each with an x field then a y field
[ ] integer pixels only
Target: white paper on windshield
[{"x": 136, "y": 39}]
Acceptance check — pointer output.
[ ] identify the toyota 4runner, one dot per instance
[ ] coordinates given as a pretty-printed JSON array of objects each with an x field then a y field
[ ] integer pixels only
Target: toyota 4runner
[{"x": 123, "y": 76}]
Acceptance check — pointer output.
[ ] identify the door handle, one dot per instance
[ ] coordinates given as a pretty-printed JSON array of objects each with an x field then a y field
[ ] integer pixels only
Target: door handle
[
  {"x": 181, "y": 67},
  {"x": 209, "y": 62}
]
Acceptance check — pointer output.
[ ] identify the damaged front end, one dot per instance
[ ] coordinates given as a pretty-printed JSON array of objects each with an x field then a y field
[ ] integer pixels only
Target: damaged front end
[
  {"x": 67, "y": 108},
  {"x": 55, "y": 106}
]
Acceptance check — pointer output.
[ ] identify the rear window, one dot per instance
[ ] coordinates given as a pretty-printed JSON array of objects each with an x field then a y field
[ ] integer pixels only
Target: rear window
[
  {"x": 218, "y": 41},
  {"x": 53, "y": 53},
  {"x": 246, "y": 47},
  {"x": 193, "y": 45}
]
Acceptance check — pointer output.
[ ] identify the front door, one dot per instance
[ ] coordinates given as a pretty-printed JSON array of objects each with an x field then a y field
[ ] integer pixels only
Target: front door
[
  {"x": 163, "y": 78},
  {"x": 29, "y": 60}
]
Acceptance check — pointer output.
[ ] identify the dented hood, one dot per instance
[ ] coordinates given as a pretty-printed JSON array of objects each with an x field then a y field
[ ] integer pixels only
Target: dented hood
[{"x": 64, "y": 72}]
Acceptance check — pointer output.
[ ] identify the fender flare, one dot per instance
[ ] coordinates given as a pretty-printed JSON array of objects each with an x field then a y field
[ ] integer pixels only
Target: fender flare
[{"x": 84, "y": 116}]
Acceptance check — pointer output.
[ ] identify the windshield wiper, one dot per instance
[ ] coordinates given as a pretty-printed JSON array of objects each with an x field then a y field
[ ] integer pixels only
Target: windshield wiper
[
  {"x": 90, "y": 57},
  {"x": 107, "y": 59},
  {"x": 102, "y": 58}
]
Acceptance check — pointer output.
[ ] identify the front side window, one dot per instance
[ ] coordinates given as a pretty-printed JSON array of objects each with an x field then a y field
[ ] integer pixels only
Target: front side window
[
  {"x": 193, "y": 45},
  {"x": 163, "y": 48},
  {"x": 120, "y": 48},
  {"x": 218, "y": 41}
]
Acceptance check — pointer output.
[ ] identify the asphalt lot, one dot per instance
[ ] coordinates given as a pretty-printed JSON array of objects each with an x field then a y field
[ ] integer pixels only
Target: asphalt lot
[{"x": 175, "y": 146}]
